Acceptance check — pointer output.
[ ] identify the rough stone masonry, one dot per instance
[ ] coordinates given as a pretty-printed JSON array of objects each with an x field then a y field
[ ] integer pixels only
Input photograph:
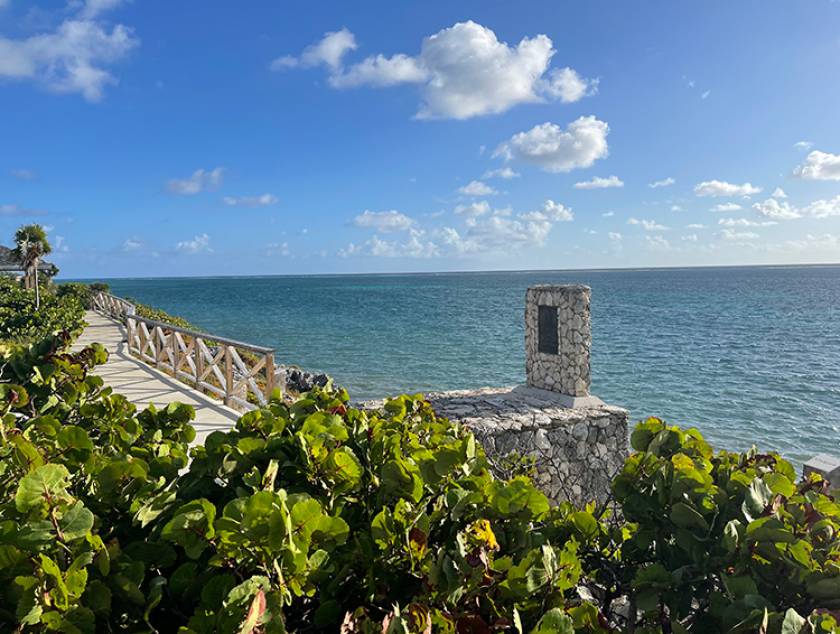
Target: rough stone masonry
[{"x": 576, "y": 441}]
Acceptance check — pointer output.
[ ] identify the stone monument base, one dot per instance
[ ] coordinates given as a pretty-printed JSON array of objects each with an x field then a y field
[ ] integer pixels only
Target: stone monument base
[{"x": 576, "y": 451}]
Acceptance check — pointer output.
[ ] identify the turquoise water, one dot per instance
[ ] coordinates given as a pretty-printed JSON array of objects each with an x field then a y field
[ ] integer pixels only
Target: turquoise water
[{"x": 747, "y": 355}]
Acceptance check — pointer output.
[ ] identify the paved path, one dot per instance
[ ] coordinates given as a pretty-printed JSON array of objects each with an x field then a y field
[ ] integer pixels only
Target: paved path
[{"x": 143, "y": 385}]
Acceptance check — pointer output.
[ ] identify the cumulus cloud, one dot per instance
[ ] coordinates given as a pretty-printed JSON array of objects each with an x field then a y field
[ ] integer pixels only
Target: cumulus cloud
[
  {"x": 665, "y": 182},
  {"x": 776, "y": 209},
  {"x": 745, "y": 222},
  {"x": 803, "y": 145},
  {"x": 730, "y": 235},
  {"x": 484, "y": 230},
  {"x": 462, "y": 71},
  {"x": 328, "y": 51},
  {"x": 505, "y": 173},
  {"x": 91, "y": 9},
  {"x": 614, "y": 236},
  {"x": 385, "y": 221},
  {"x": 556, "y": 150},
  {"x": 72, "y": 58},
  {"x": 598, "y": 182},
  {"x": 477, "y": 188},
  {"x": 647, "y": 225},
  {"x": 415, "y": 245},
  {"x": 658, "y": 243},
  {"x": 199, "y": 244},
  {"x": 132, "y": 244},
  {"x": 200, "y": 180},
  {"x": 819, "y": 166},
  {"x": 716, "y": 188},
  {"x": 568, "y": 86},
  {"x": 263, "y": 200},
  {"x": 696, "y": 226},
  {"x": 725, "y": 207},
  {"x": 779, "y": 193}
]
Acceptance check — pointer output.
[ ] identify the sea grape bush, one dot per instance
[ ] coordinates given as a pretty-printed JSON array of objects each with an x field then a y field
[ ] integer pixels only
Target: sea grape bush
[
  {"x": 315, "y": 516},
  {"x": 61, "y": 309}
]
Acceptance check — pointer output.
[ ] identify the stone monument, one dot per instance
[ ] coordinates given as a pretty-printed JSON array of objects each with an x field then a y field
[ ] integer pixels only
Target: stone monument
[
  {"x": 576, "y": 442},
  {"x": 558, "y": 342}
]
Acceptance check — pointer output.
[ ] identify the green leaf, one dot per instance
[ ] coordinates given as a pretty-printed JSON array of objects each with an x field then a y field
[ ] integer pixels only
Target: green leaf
[
  {"x": 793, "y": 623},
  {"x": 192, "y": 527},
  {"x": 76, "y": 522},
  {"x": 45, "y": 486},
  {"x": 555, "y": 621}
]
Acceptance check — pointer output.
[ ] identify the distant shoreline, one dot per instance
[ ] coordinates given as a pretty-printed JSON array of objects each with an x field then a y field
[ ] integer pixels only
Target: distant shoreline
[{"x": 637, "y": 269}]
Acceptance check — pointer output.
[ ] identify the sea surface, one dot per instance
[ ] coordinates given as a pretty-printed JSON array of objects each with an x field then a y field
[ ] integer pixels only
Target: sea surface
[{"x": 747, "y": 355}]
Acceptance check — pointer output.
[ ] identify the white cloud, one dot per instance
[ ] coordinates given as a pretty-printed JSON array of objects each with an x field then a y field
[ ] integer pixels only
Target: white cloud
[
  {"x": 556, "y": 150},
  {"x": 730, "y": 235},
  {"x": 385, "y": 221},
  {"x": 24, "y": 174},
  {"x": 553, "y": 211},
  {"x": 477, "y": 188},
  {"x": 199, "y": 244},
  {"x": 614, "y": 236},
  {"x": 568, "y": 86},
  {"x": 819, "y": 166},
  {"x": 774, "y": 209},
  {"x": 705, "y": 94},
  {"x": 200, "y": 180},
  {"x": 658, "y": 243},
  {"x": 414, "y": 246},
  {"x": 473, "y": 209},
  {"x": 803, "y": 145},
  {"x": 692, "y": 237},
  {"x": 505, "y": 173},
  {"x": 381, "y": 71},
  {"x": 462, "y": 71},
  {"x": 599, "y": 182},
  {"x": 328, "y": 51},
  {"x": 676, "y": 208},
  {"x": 779, "y": 193},
  {"x": 665, "y": 182},
  {"x": 716, "y": 188},
  {"x": 647, "y": 225},
  {"x": 745, "y": 222},
  {"x": 608, "y": 214},
  {"x": 132, "y": 244},
  {"x": 696, "y": 226},
  {"x": 725, "y": 207},
  {"x": 91, "y": 9},
  {"x": 70, "y": 59},
  {"x": 263, "y": 200}
]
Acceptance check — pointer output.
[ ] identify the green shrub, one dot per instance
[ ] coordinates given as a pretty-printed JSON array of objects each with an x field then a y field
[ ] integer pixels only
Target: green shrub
[
  {"x": 314, "y": 516},
  {"x": 61, "y": 310},
  {"x": 157, "y": 314}
]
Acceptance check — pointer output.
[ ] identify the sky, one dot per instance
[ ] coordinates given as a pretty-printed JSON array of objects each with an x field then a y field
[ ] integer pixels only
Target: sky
[{"x": 158, "y": 138}]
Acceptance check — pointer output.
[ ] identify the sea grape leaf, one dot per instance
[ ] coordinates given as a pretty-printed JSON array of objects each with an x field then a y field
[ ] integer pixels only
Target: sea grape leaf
[{"x": 44, "y": 485}]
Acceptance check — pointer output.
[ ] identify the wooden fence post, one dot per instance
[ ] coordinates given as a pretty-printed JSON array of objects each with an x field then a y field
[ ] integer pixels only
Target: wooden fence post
[
  {"x": 199, "y": 363},
  {"x": 228, "y": 375},
  {"x": 269, "y": 375}
]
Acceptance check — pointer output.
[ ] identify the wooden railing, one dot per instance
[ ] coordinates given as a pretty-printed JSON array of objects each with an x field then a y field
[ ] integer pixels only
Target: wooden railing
[
  {"x": 238, "y": 373},
  {"x": 112, "y": 305}
]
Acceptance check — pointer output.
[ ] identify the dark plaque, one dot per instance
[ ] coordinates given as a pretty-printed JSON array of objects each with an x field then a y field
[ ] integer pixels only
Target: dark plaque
[{"x": 547, "y": 333}]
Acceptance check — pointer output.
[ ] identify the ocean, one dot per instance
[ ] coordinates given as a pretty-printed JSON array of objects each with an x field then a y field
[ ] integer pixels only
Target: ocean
[{"x": 748, "y": 355}]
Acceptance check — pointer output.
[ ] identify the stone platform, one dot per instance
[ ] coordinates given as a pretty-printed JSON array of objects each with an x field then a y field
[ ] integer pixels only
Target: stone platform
[{"x": 576, "y": 451}]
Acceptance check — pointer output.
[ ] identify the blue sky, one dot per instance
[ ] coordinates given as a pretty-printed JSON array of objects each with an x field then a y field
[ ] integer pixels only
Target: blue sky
[{"x": 187, "y": 138}]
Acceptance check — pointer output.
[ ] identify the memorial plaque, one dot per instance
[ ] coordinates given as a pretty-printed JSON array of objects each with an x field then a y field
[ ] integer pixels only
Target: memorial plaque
[{"x": 547, "y": 326}]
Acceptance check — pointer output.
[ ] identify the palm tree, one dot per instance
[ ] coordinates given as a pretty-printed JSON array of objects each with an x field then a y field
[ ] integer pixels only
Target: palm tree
[{"x": 30, "y": 246}]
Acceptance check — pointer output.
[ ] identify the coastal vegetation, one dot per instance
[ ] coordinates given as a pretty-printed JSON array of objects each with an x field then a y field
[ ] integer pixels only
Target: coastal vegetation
[{"x": 314, "y": 515}]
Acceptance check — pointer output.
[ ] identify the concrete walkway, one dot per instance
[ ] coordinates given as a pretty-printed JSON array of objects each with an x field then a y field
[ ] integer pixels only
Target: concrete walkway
[{"x": 143, "y": 385}]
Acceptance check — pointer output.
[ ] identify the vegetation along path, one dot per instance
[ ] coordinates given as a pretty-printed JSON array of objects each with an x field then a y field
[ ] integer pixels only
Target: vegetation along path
[{"x": 144, "y": 385}]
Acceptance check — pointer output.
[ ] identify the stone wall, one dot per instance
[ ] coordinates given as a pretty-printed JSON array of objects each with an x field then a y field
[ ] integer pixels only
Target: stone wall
[
  {"x": 566, "y": 367},
  {"x": 576, "y": 452}
]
